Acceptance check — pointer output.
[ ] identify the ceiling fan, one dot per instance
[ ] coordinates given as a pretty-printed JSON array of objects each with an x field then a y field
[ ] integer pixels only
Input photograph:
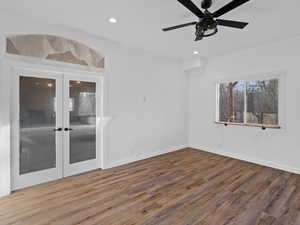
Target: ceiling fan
[{"x": 207, "y": 25}]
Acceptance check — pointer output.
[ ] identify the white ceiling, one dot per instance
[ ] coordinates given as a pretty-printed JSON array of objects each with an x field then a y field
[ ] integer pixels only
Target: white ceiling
[{"x": 140, "y": 23}]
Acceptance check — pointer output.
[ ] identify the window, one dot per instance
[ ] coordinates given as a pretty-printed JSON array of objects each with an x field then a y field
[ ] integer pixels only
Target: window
[{"x": 253, "y": 102}]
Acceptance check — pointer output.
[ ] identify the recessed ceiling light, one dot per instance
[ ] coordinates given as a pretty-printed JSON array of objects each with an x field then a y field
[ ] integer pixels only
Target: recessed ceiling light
[
  {"x": 195, "y": 52},
  {"x": 113, "y": 20}
]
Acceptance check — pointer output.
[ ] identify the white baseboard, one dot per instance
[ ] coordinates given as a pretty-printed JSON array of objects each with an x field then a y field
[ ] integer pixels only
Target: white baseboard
[
  {"x": 144, "y": 156},
  {"x": 4, "y": 194},
  {"x": 249, "y": 159}
]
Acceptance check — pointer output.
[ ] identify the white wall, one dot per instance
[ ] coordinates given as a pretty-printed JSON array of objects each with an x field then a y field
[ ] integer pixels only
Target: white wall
[
  {"x": 144, "y": 93},
  {"x": 4, "y": 133},
  {"x": 277, "y": 148},
  {"x": 147, "y": 97}
]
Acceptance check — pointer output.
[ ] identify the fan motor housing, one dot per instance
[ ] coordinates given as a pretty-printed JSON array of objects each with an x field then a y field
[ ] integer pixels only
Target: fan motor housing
[{"x": 207, "y": 24}]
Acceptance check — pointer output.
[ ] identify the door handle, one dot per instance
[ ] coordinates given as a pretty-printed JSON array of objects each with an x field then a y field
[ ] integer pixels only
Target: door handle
[
  {"x": 68, "y": 129},
  {"x": 57, "y": 129}
]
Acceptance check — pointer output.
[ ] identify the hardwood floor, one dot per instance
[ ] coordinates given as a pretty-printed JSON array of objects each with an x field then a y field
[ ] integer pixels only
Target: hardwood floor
[{"x": 187, "y": 187}]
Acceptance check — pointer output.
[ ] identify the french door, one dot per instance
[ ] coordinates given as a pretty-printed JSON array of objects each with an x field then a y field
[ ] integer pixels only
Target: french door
[
  {"x": 80, "y": 124},
  {"x": 55, "y": 120}
]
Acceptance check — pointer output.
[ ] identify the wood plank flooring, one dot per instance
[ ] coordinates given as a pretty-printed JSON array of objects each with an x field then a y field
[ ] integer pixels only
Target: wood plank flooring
[{"x": 187, "y": 187}]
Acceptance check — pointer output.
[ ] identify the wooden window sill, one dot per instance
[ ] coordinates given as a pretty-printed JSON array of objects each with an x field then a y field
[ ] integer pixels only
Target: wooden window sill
[{"x": 249, "y": 125}]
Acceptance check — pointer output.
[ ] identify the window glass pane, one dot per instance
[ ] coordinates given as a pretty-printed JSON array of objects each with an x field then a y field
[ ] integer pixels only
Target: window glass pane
[
  {"x": 262, "y": 102},
  {"x": 231, "y": 101}
]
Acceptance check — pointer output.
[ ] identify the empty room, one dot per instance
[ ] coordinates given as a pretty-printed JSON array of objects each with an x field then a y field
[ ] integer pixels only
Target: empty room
[{"x": 149, "y": 112}]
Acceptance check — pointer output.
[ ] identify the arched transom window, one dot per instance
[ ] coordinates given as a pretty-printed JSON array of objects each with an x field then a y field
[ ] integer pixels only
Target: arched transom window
[{"x": 54, "y": 48}]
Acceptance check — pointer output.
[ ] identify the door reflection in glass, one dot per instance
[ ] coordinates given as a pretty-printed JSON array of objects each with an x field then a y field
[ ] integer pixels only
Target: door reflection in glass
[
  {"x": 82, "y": 107},
  {"x": 37, "y": 124}
]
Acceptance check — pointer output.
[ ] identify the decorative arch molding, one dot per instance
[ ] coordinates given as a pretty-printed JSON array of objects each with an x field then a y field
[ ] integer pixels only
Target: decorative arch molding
[{"x": 54, "y": 48}]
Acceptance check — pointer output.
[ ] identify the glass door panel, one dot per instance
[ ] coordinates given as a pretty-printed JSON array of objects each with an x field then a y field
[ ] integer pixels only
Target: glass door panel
[
  {"x": 82, "y": 121},
  {"x": 37, "y": 124}
]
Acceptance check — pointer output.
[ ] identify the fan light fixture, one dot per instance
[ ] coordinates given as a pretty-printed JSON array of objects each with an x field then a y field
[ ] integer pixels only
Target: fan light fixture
[{"x": 205, "y": 28}]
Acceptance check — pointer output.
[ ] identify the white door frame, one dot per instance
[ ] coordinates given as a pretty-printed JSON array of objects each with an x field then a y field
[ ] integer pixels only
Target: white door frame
[{"x": 19, "y": 66}]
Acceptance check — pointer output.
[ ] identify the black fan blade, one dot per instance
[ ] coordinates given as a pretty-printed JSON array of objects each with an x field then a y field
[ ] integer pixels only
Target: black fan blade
[
  {"x": 230, "y": 6},
  {"x": 231, "y": 23},
  {"x": 179, "y": 26},
  {"x": 192, "y": 7}
]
